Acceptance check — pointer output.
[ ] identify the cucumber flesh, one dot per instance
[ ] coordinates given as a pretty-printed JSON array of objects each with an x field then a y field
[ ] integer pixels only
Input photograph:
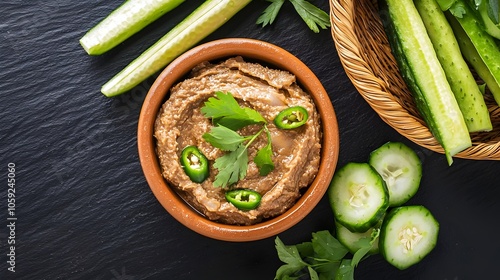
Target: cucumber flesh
[
  {"x": 126, "y": 20},
  {"x": 208, "y": 17},
  {"x": 472, "y": 56},
  {"x": 358, "y": 196},
  {"x": 462, "y": 82},
  {"x": 424, "y": 75},
  {"x": 407, "y": 235},
  {"x": 351, "y": 239},
  {"x": 401, "y": 169}
]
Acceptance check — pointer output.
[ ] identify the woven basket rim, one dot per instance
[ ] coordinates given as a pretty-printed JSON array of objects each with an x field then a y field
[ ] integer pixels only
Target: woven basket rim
[{"x": 377, "y": 91}]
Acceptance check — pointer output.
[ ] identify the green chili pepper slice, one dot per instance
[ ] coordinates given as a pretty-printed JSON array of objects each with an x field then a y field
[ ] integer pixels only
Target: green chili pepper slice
[
  {"x": 244, "y": 199},
  {"x": 195, "y": 164},
  {"x": 291, "y": 118}
]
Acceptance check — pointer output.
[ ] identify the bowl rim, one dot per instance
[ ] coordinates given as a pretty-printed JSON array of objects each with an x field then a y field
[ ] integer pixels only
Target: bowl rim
[{"x": 278, "y": 58}]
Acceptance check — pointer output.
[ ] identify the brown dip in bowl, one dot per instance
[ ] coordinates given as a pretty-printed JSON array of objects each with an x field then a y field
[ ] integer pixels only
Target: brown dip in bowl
[
  {"x": 260, "y": 76},
  {"x": 296, "y": 152}
]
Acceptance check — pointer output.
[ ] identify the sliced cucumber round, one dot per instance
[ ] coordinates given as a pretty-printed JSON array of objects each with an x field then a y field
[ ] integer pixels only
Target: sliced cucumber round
[
  {"x": 351, "y": 239},
  {"x": 401, "y": 169},
  {"x": 407, "y": 235},
  {"x": 358, "y": 196}
]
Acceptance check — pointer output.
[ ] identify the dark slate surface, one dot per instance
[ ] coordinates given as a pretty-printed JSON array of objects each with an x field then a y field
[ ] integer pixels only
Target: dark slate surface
[{"x": 83, "y": 208}]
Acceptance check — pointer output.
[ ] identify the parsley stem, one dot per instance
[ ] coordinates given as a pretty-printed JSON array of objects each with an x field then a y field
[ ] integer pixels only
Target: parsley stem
[{"x": 253, "y": 137}]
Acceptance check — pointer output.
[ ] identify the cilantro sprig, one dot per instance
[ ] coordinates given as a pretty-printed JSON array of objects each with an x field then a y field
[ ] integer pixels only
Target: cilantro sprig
[
  {"x": 228, "y": 117},
  {"x": 314, "y": 17},
  {"x": 456, "y": 8},
  {"x": 324, "y": 257},
  {"x": 224, "y": 110}
]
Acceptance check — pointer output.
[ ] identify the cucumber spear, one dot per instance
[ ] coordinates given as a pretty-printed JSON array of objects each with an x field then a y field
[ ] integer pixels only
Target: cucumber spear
[
  {"x": 125, "y": 21},
  {"x": 462, "y": 82},
  {"x": 485, "y": 45},
  {"x": 422, "y": 71},
  {"x": 208, "y": 17}
]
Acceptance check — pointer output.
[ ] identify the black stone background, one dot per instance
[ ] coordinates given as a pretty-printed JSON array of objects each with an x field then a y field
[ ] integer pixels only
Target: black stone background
[{"x": 83, "y": 208}]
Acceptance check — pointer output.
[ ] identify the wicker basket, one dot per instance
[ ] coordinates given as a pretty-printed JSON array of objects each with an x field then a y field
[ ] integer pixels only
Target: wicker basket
[{"x": 366, "y": 57}]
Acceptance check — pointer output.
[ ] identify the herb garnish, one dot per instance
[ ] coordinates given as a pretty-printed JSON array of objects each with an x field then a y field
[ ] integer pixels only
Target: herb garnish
[
  {"x": 324, "y": 257},
  {"x": 313, "y": 16},
  {"x": 228, "y": 117}
]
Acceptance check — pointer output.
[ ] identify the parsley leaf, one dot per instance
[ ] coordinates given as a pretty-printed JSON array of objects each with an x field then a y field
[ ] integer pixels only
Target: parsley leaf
[
  {"x": 457, "y": 10},
  {"x": 270, "y": 13},
  {"x": 225, "y": 110},
  {"x": 314, "y": 17},
  {"x": 324, "y": 257},
  {"x": 346, "y": 270},
  {"x": 365, "y": 245},
  {"x": 291, "y": 257},
  {"x": 232, "y": 167},
  {"x": 312, "y": 273},
  {"x": 263, "y": 158},
  {"x": 328, "y": 247},
  {"x": 224, "y": 138}
]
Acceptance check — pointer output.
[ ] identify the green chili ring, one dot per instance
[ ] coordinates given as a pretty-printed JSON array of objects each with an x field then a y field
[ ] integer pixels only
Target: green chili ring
[
  {"x": 291, "y": 118},
  {"x": 244, "y": 199},
  {"x": 195, "y": 164}
]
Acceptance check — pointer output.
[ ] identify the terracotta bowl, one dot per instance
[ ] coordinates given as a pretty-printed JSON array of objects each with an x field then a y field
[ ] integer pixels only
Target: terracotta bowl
[{"x": 251, "y": 50}]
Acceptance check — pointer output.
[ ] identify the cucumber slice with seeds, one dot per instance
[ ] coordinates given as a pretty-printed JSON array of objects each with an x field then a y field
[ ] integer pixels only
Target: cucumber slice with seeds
[
  {"x": 401, "y": 169},
  {"x": 126, "y": 20},
  {"x": 358, "y": 196},
  {"x": 408, "y": 234}
]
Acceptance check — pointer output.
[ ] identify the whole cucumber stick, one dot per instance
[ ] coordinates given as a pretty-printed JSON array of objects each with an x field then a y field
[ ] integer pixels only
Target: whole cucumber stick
[
  {"x": 462, "y": 82},
  {"x": 422, "y": 72}
]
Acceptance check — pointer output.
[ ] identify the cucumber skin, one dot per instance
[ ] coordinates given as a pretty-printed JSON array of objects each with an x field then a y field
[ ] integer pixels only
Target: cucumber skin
[
  {"x": 92, "y": 41},
  {"x": 384, "y": 231},
  {"x": 443, "y": 116},
  {"x": 472, "y": 56},
  {"x": 464, "y": 86},
  {"x": 208, "y": 17}
]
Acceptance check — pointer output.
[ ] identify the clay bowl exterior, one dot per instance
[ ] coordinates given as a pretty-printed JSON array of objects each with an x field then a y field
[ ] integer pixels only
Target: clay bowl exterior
[{"x": 251, "y": 50}]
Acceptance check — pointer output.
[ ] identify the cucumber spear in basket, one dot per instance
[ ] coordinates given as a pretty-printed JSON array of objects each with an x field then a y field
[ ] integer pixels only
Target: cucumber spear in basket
[
  {"x": 422, "y": 72},
  {"x": 478, "y": 47},
  {"x": 463, "y": 84}
]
